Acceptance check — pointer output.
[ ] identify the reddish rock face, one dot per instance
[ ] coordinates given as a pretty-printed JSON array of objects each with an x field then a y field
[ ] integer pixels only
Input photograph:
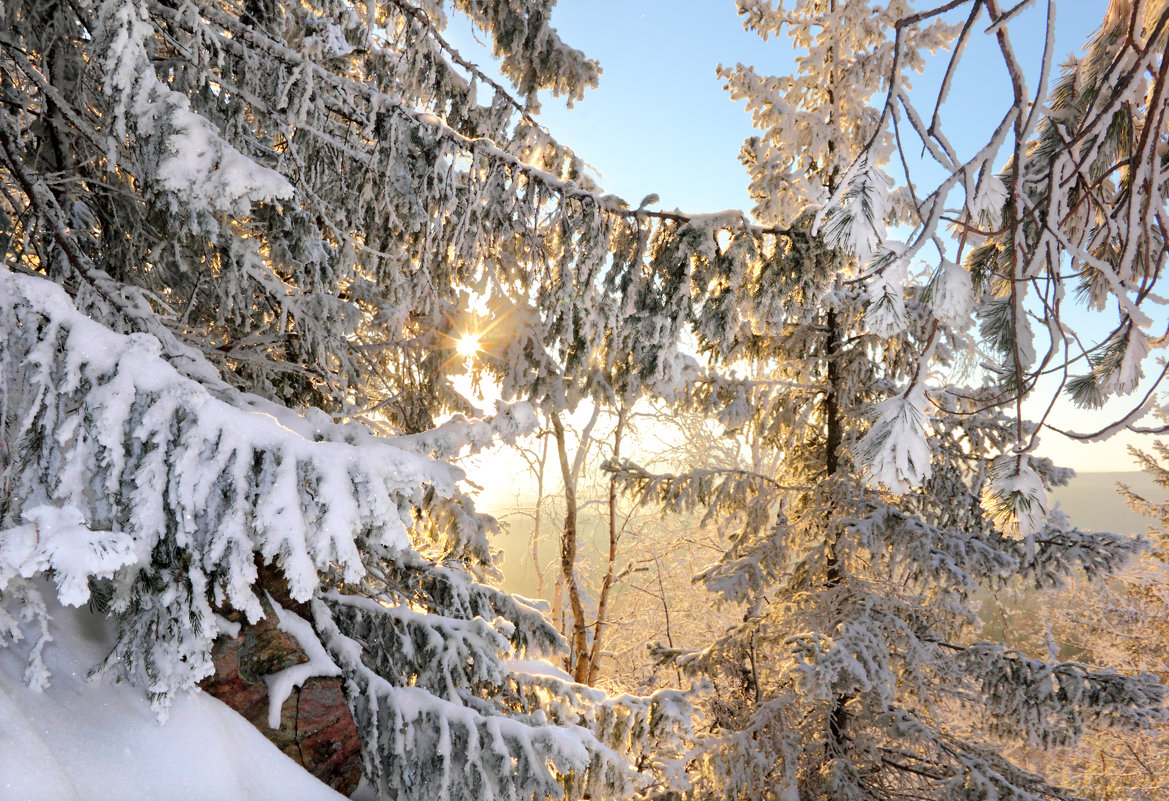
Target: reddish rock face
[
  {"x": 326, "y": 736},
  {"x": 316, "y": 729}
]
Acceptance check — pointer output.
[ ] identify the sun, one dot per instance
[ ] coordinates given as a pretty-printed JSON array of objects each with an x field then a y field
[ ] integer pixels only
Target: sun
[{"x": 467, "y": 345}]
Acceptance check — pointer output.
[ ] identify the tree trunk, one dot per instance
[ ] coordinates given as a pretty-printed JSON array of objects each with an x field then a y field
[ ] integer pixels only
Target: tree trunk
[
  {"x": 607, "y": 583},
  {"x": 578, "y": 642},
  {"x": 536, "y": 523},
  {"x": 834, "y": 574}
]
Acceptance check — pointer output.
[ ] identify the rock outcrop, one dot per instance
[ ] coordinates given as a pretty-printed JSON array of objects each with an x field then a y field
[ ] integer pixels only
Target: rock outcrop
[{"x": 316, "y": 728}]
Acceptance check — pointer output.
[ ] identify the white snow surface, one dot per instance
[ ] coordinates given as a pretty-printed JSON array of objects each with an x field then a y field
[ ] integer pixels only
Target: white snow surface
[{"x": 83, "y": 740}]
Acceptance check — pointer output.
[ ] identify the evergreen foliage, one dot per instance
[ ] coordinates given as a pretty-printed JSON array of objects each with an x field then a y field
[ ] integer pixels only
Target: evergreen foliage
[
  {"x": 241, "y": 243},
  {"x": 857, "y": 671}
]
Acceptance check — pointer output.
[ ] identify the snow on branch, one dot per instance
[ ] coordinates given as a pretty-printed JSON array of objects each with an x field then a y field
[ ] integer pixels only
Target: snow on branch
[
  {"x": 104, "y": 426},
  {"x": 555, "y": 734},
  {"x": 856, "y": 223},
  {"x": 1048, "y": 704},
  {"x": 56, "y": 541},
  {"x": 1015, "y": 496},
  {"x": 53, "y": 541},
  {"x": 895, "y": 451},
  {"x": 1073, "y": 177}
]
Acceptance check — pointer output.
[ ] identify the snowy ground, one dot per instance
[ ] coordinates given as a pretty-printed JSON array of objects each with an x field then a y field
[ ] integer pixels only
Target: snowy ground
[{"x": 96, "y": 741}]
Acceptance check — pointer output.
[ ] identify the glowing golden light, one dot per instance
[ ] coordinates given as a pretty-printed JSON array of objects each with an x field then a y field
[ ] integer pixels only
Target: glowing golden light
[{"x": 467, "y": 345}]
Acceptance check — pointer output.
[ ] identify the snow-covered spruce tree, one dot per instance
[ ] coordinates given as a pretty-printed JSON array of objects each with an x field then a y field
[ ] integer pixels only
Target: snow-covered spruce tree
[
  {"x": 240, "y": 241},
  {"x": 857, "y": 671}
]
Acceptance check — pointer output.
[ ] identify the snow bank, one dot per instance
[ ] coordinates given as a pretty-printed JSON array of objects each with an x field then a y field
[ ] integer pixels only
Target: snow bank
[{"x": 95, "y": 741}]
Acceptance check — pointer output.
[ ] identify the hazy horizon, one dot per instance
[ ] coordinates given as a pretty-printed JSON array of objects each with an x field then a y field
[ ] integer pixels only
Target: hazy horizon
[{"x": 1090, "y": 500}]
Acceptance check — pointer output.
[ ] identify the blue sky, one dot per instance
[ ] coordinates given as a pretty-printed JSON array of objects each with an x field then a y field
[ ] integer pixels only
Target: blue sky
[{"x": 661, "y": 122}]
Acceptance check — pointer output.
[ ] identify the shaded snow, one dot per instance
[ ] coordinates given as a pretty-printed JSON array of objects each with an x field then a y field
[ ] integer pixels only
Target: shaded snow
[{"x": 95, "y": 741}]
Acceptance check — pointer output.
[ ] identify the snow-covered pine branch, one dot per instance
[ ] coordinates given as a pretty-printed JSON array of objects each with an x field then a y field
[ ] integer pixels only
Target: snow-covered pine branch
[
  {"x": 536, "y": 738},
  {"x": 99, "y": 423},
  {"x": 345, "y": 294},
  {"x": 1064, "y": 203},
  {"x": 1049, "y": 704}
]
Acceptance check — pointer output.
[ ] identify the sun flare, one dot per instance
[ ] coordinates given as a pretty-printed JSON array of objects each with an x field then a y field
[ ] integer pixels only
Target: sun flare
[{"x": 467, "y": 345}]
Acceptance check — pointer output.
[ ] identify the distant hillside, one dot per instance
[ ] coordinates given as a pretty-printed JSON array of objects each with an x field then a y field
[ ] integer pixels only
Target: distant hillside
[{"x": 1092, "y": 502}]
